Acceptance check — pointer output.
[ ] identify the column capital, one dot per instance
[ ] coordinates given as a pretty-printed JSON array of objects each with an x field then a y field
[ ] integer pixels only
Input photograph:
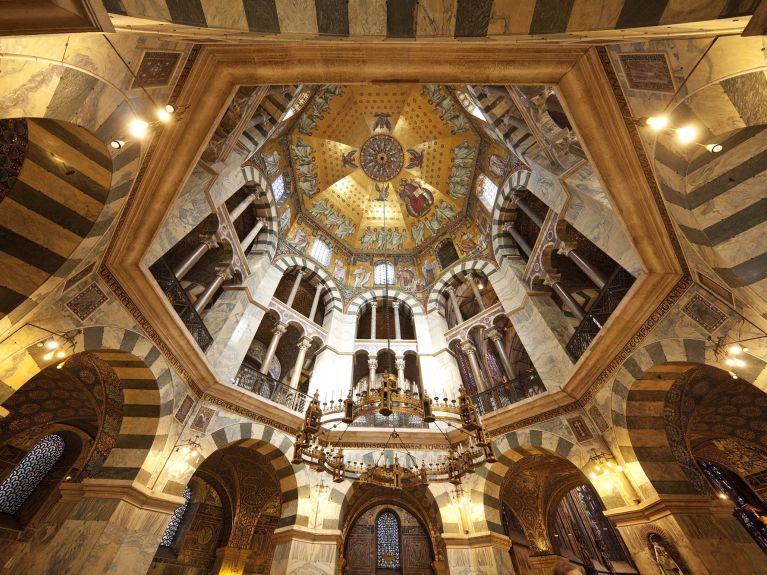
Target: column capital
[
  {"x": 280, "y": 328},
  {"x": 304, "y": 344},
  {"x": 300, "y": 272},
  {"x": 373, "y": 303},
  {"x": 551, "y": 279},
  {"x": 565, "y": 248},
  {"x": 395, "y": 304},
  {"x": 468, "y": 347},
  {"x": 209, "y": 240},
  {"x": 225, "y": 271},
  {"x": 372, "y": 362},
  {"x": 450, "y": 290},
  {"x": 399, "y": 363},
  {"x": 494, "y": 334}
]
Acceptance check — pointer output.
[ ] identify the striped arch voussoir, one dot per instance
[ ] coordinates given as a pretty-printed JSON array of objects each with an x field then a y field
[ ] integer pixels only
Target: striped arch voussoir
[
  {"x": 437, "y": 296},
  {"x": 503, "y": 245},
  {"x": 378, "y": 293},
  {"x": 267, "y": 238},
  {"x": 332, "y": 296}
]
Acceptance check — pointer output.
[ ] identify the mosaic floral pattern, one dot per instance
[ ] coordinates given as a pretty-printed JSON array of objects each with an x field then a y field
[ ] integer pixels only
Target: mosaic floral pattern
[
  {"x": 13, "y": 149},
  {"x": 30, "y": 471}
]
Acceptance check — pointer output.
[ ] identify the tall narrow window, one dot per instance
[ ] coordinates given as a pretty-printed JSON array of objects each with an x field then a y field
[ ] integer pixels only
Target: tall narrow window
[
  {"x": 30, "y": 471},
  {"x": 278, "y": 189},
  {"x": 387, "y": 540},
  {"x": 487, "y": 192},
  {"x": 175, "y": 521},
  {"x": 321, "y": 252},
  {"x": 384, "y": 273}
]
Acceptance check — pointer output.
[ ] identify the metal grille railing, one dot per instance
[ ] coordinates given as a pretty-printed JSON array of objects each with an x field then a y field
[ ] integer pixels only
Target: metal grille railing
[
  {"x": 180, "y": 301},
  {"x": 250, "y": 378},
  {"x": 618, "y": 284},
  {"x": 394, "y": 420},
  {"x": 508, "y": 393}
]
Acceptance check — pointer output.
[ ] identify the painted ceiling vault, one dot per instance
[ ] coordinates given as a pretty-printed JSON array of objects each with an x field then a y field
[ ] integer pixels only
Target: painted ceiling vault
[{"x": 410, "y": 144}]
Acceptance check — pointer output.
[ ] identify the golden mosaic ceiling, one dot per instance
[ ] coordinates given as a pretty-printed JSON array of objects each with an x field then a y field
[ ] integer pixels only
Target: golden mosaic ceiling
[{"x": 414, "y": 142}]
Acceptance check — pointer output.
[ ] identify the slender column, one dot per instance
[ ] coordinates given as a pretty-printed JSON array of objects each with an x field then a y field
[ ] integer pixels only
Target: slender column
[
  {"x": 454, "y": 303},
  {"x": 293, "y": 291},
  {"x": 530, "y": 213},
  {"x": 316, "y": 302},
  {"x": 565, "y": 296},
  {"x": 277, "y": 333},
  {"x": 222, "y": 274},
  {"x": 591, "y": 272},
  {"x": 242, "y": 206},
  {"x": 303, "y": 346},
  {"x": 400, "y": 364},
  {"x": 397, "y": 331},
  {"x": 373, "y": 306},
  {"x": 206, "y": 243},
  {"x": 509, "y": 227},
  {"x": 372, "y": 365},
  {"x": 497, "y": 339},
  {"x": 252, "y": 235},
  {"x": 471, "y": 353},
  {"x": 475, "y": 291}
]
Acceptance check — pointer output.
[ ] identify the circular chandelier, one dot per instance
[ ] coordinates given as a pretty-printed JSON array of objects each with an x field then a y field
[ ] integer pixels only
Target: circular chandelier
[{"x": 314, "y": 448}]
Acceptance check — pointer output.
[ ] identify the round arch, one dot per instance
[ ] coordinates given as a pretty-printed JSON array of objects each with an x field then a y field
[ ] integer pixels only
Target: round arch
[
  {"x": 437, "y": 297},
  {"x": 332, "y": 298},
  {"x": 379, "y": 293}
]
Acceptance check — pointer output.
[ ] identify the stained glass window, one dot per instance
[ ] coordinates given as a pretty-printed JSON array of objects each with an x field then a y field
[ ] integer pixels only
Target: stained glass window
[
  {"x": 487, "y": 192},
  {"x": 175, "y": 521},
  {"x": 384, "y": 273},
  {"x": 387, "y": 539},
  {"x": 30, "y": 471},
  {"x": 321, "y": 252},
  {"x": 278, "y": 189}
]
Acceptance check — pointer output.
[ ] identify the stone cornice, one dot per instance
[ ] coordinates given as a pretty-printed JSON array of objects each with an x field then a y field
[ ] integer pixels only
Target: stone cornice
[
  {"x": 299, "y": 533},
  {"x": 656, "y": 508},
  {"x": 124, "y": 490},
  {"x": 474, "y": 540}
]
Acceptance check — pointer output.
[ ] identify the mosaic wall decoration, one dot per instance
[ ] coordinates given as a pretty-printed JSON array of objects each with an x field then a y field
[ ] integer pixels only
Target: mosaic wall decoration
[
  {"x": 304, "y": 164},
  {"x": 320, "y": 105},
  {"x": 203, "y": 419},
  {"x": 597, "y": 418},
  {"x": 580, "y": 429},
  {"x": 705, "y": 313},
  {"x": 87, "y": 301},
  {"x": 446, "y": 106},
  {"x": 647, "y": 72},
  {"x": 462, "y": 171},
  {"x": 183, "y": 411},
  {"x": 333, "y": 219},
  {"x": 156, "y": 69},
  {"x": 14, "y": 140}
]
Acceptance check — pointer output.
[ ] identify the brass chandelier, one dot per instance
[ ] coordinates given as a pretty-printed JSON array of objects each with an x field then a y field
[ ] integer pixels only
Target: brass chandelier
[{"x": 314, "y": 448}]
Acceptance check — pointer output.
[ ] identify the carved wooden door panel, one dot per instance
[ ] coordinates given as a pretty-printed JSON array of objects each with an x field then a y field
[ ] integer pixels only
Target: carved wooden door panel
[
  {"x": 361, "y": 550},
  {"x": 416, "y": 551}
]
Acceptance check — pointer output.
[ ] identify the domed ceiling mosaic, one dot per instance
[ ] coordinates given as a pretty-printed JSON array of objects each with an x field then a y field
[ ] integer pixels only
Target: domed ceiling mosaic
[{"x": 404, "y": 152}]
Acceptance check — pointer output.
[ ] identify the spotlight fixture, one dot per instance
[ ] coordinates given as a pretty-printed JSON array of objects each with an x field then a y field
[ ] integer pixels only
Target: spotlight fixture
[
  {"x": 138, "y": 128},
  {"x": 117, "y": 144},
  {"x": 686, "y": 134},
  {"x": 657, "y": 123},
  {"x": 730, "y": 353}
]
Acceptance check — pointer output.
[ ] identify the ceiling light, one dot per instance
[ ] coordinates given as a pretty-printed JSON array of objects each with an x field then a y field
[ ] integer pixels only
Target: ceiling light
[
  {"x": 657, "y": 123},
  {"x": 117, "y": 144},
  {"x": 740, "y": 363},
  {"x": 729, "y": 362},
  {"x": 714, "y": 148},
  {"x": 138, "y": 128},
  {"x": 48, "y": 356},
  {"x": 165, "y": 114},
  {"x": 686, "y": 134},
  {"x": 51, "y": 344},
  {"x": 735, "y": 349}
]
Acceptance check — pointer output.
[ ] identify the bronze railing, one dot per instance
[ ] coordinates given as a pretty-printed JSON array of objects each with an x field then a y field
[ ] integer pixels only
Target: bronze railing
[
  {"x": 509, "y": 392},
  {"x": 180, "y": 301},
  {"x": 250, "y": 378},
  {"x": 618, "y": 284}
]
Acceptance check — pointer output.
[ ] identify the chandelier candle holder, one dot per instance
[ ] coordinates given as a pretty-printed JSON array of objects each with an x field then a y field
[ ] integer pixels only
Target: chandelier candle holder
[{"x": 314, "y": 447}]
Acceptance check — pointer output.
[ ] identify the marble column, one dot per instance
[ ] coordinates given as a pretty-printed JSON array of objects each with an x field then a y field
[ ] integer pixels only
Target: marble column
[
  {"x": 372, "y": 365},
  {"x": 294, "y": 290},
  {"x": 373, "y": 307},
  {"x": 520, "y": 241},
  {"x": 241, "y": 207},
  {"x": 497, "y": 338},
  {"x": 470, "y": 351},
  {"x": 475, "y": 290},
  {"x": 223, "y": 273},
  {"x": 591, "y": 272},
  {"x": 316, "y": 302},
  {"x": 522, "y": 205},
  {"x": 454, "y": 303},
  {"x": 252, "y": 235},
  {"x": 303, "y": 345},
  {"x": 400, "y": 365},
  {"x": 397, "y": 330},
  {"x": 104, "y": 526},
  {"x": 565, "y": 296},
  {"x": 206, "y": 243},
  {"x": 278, "y": 331}
]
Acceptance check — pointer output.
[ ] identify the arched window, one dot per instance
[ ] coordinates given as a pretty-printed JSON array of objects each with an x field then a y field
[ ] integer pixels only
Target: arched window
[
  {"x": 384, "y": 273},
  {"x": 30, "y": 471},
  {"x": 278, "y": 189},
  {"x": 321, "y": 252},
  {"x": 175, "y": 521},
  {"x": 387, "y": 541},
  {"x": 487, "y": 191}
]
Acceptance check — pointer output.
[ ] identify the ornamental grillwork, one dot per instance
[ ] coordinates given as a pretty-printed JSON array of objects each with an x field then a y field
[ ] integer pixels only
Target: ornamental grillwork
[
  {"x": 175, "y": 521},
  {"x": 387, "y": 541},
  {"x": 28, "y": 474}
]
